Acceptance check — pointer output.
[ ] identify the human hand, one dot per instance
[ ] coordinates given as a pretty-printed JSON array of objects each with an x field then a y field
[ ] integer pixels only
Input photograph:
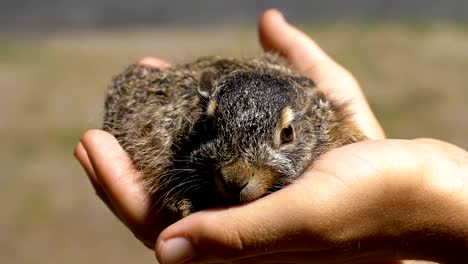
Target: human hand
[
  {"x": 361, "y": 203},
  {"x": 113, "y": 176},
  {"x": 115, "y": 180},
  {"x": 368, "y": 202},
  {"x": 110, "y": 169}
]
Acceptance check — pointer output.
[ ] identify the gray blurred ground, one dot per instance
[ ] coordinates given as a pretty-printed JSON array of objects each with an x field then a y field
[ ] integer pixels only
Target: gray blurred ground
[{"x": 52, "y": 85}]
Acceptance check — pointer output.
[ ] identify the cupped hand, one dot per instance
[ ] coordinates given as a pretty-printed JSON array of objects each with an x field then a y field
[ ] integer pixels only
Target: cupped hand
[
  {"x": 327, "y": 194},
  {"x": 362, "y": 203},
  {"x": 115, "y": 180},
  {"x": 110, "y": 169},
  {"x": 369, "y": 202}
]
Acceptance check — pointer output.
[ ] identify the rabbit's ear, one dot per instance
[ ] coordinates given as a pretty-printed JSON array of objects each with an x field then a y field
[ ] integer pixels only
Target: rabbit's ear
[{"x": 206, "y": 86}]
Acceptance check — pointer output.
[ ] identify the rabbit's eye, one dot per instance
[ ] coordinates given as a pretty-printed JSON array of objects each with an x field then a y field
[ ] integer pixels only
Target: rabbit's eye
[{"x": 287, "y": 134}]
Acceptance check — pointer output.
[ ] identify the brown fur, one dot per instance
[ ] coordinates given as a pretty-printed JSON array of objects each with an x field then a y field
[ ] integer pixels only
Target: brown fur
[{"x": 206, "y": 133}]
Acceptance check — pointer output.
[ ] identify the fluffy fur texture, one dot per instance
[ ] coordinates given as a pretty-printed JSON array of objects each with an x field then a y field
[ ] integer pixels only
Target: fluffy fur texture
[{"x": 222, "y": 131}]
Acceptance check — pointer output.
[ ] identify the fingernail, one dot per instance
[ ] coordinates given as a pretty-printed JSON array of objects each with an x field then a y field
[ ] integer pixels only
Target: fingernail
[{"x": 177, "y": 250}]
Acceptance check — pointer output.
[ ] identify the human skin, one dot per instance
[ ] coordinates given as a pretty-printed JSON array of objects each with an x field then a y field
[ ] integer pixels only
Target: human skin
[{"x": 369, "y": 202}]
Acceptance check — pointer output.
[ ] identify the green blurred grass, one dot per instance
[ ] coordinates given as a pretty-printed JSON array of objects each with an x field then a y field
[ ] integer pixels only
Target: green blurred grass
[{"x": 415, "y": 76}]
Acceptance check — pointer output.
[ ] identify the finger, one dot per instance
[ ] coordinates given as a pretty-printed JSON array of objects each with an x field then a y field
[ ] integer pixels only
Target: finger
[
  {"x": 277, "y": 35},
  {"x": 154, "y": 62},
  {"x": 119, "y": 180},
  {"x": 115, "y": 172},
  {"x": 304, "y": 54},
  {"x": 82, "y": 156},
  {"x": 221, "y": 235}
]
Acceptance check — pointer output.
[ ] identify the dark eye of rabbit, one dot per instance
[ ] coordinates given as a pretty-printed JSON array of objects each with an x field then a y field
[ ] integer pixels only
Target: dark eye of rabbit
[{"x": 287, "y": 135}]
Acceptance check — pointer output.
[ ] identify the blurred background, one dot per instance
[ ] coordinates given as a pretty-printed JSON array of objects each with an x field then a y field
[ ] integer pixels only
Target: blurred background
[{"x": 57, "y": 57}]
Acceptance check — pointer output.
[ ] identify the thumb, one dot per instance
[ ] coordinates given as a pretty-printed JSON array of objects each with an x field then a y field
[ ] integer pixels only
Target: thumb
[
  {"x": 277, "y": 35},
  {"x": 237, "y": 232}
]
